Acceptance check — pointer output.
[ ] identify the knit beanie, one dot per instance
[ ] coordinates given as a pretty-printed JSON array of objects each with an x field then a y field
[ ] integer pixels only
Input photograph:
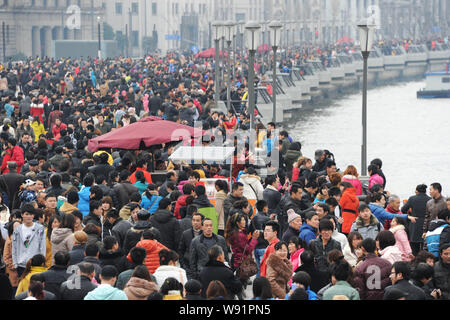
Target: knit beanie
[{"x": 292, "y": 215}]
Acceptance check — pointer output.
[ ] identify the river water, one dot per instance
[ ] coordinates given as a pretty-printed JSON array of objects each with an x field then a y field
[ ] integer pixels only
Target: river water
[{"x": 411, "y": 136}]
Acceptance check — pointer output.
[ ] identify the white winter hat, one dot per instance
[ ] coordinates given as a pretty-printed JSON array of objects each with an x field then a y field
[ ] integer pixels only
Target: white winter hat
[{"x": 292, "y": 215}]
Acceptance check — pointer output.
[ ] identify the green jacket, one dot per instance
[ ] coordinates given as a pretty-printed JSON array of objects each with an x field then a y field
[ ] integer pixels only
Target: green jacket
[{"x": 341, "y": 288}]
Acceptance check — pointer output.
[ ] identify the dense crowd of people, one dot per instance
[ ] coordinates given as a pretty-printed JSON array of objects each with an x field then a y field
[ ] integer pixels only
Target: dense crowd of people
[{"x": 103, "y": 225}]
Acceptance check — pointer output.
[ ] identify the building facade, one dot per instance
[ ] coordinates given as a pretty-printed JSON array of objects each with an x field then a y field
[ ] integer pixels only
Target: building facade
[
  {"x": 31, "y": 25},
  {"x": 159, "y": 24}
]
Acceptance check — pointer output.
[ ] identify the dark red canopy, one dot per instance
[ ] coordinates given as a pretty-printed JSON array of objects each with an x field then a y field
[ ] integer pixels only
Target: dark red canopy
[
  {"x": 209, "y": 53},
  {"x": 151, "y": 131},
  {"x": 345, "y": 40}
]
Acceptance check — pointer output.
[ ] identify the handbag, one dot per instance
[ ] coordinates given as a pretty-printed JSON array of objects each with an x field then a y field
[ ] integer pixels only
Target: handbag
[{"x": 247, "y": 267}]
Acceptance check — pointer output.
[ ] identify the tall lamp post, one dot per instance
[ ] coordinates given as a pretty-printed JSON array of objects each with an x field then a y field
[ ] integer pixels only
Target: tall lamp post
[
  {"x": 252, "y": 45},
  {"x": 242, "y": 33},
  {"x": 99, "y": 38},
  {"x": 263, "y": 51},
  {"x": 229, "y": 30},
  {"x": 275, "y": 40},
  {"x": 366, "y": 35},
  {"x": 234, "y": 50},
  {"x": 217, "y": 33}
]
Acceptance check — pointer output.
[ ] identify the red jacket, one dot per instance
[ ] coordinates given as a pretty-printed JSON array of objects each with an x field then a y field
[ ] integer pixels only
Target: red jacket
[
  {"x": 181, "y": 202},
  {"x": 230, "y": 124},
  {"x": 152, "y": 248},
  {"x": 147, "y": 175},
  {"x": 57, "y": 130},
  {"x": 349, "y": 205},
  {"x": 270, "y": 249},
  {"x": 14, "y": 154},
  {"x": 387, "y": 223}
]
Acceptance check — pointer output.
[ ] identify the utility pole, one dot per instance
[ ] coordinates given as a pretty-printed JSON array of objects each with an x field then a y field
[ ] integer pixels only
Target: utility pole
[{"x": 4, "y": 41}]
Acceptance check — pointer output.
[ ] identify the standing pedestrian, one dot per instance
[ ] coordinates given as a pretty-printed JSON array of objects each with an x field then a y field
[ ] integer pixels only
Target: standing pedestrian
[
  {"x": 416, "y": 207},
  {"x": 28, "y": 239},
  {"x": 279, "y": 270},
  {"x": 106, "y": 290}
]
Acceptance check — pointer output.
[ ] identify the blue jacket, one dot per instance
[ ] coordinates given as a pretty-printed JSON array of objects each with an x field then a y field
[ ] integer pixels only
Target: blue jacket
[
  {"x": 307, "y": 233},
  {"x": 383, "y": 215},
  {"x": 311, "y": 295},
  {"x": 83, "y": 204},
  {"x": 141, "y": 186},
  {"x": 153, "y": 201}
]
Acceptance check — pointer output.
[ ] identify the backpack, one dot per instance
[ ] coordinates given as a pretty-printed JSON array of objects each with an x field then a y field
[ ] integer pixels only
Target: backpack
[{"x": 433, "y": 238}]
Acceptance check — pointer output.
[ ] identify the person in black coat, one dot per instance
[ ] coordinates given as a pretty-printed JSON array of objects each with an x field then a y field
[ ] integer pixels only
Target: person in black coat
[
  {"x": 47, "y": 294},
  {"x": 292, "y": 201},
  {"x": 271, "y": 194},
  {"x": 400, "y": 276},
  {"x": 186, "y": 239},
  {"x": 215, "y": 269},
  {"x": 193, "y": 290},
  {"x": 102, "y": 167},
  {"x": 6, "y": 290},
  {"x": 77, "y": 289},
  {"x": 186, "y": 222},
  {"x": 167, "y": 224},
  {"x": 293, "y": 230},
  {"x": 112, "y": 255},
  {"x": 322, "y": 245},
  {"x": 95, "y": 213},
  {"x": 417, "y": 204},
  {"x": 10, "y": 183},
  {"x": 319, "y": 279},
  {"x": 57, "y": 274},
  {"x": 91, "y": 254},
  {"x": 119, "y": 226},
  {"x": 134, "y": 234}
]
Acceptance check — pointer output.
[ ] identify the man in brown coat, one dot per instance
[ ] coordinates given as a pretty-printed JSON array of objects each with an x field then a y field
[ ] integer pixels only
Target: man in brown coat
[{"x": 434, "y": 206}]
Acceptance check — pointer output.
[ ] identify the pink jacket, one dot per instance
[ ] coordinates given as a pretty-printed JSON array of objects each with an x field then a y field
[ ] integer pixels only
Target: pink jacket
[
  {"x": 295, "y": 260},
  {"x": 355, "y": 182},
  {"x": 391, "y": 254},
  {"x": 375, "y": 179},
  {"x": 401, "y": 242}
]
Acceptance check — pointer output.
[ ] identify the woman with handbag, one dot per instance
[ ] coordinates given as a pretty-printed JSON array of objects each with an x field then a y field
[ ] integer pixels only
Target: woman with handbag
[{"x": 237, "y": 237}]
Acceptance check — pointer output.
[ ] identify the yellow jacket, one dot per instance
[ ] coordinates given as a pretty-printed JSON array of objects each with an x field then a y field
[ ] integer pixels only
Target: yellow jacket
[
  {"x": 25, "y": 282},
  {"x": 201, "y": 173},
  {"x": 48, "y": 250},
  {"x": 110, "y": 158},
  {"x": 174, "y": 296},
  {"x": 260, "y": 138},
  {"x": 38, "y": 130}
]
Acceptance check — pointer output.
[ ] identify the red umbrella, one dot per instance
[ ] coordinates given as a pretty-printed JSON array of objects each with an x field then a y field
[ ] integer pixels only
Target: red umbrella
[
  {"x": 151, "y": 131},
  {"x": 209, "y": 53},
  {"x": 345, "y": 40}
]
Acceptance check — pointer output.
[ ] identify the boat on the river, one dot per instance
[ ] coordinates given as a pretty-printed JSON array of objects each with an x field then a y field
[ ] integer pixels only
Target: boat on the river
[{"x": 437, "y": 85}]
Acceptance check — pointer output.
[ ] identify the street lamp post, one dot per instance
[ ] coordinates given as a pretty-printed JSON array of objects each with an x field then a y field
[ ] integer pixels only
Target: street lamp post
[
  {"x": 366, "y": 35},
  {"x": 217, "y": 31},
  {"x": 234, "y": 51},
  {"x": 252, "y": 45},
  {"x": 275, "y": 39},
  {"x": 99, "y": 39},
  {"x": 241, "y": 35},
  {"x": 263, "y": 51},
  {"x": 229, "y": 26}
]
